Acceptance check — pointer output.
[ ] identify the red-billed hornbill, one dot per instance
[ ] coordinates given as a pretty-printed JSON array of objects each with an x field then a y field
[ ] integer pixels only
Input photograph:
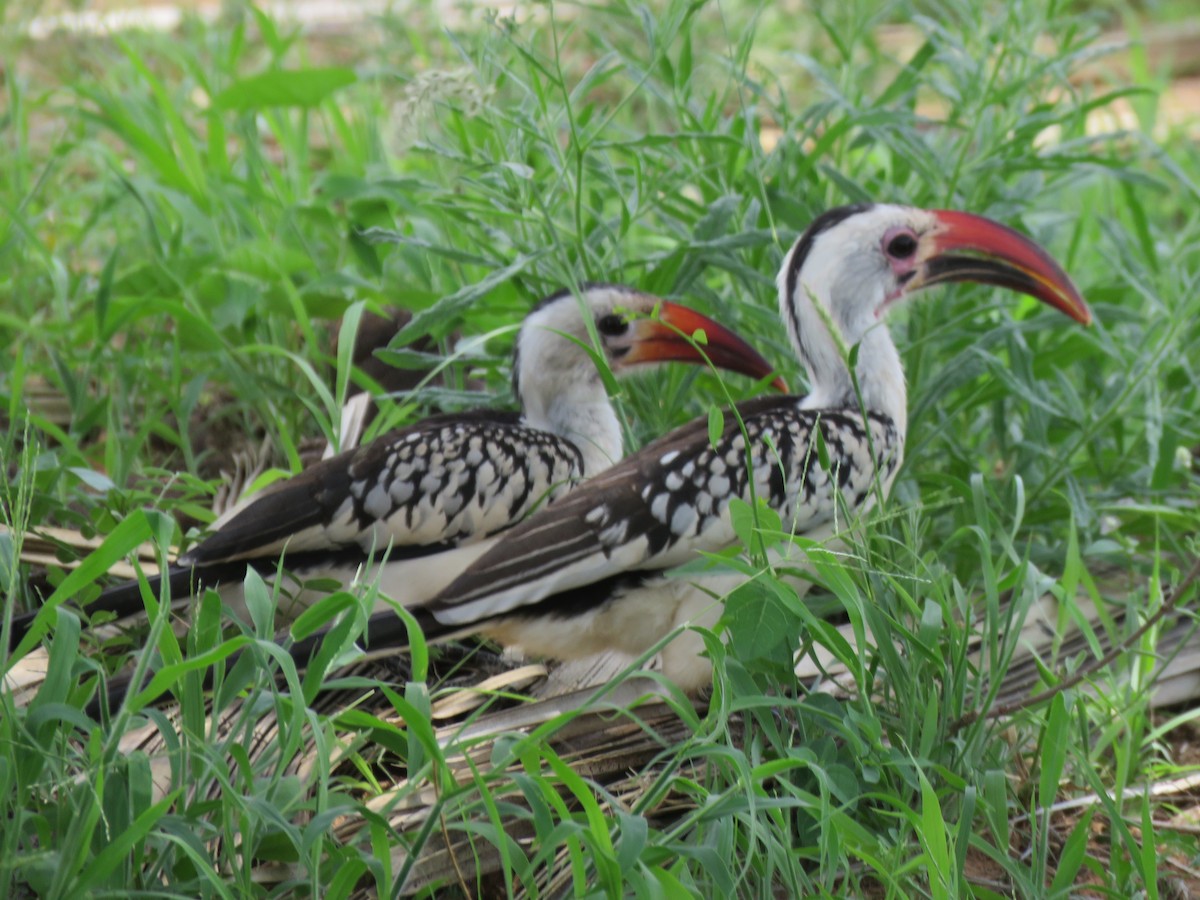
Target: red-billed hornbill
[
  {"x": 590, "y": 572},
  {"x": 451, "y": 480}
]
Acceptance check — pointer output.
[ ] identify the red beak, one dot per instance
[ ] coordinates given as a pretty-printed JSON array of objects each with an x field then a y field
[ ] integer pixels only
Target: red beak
[
  {"x": 971, "y": 248},
  {"x": 672, "y": 337}
]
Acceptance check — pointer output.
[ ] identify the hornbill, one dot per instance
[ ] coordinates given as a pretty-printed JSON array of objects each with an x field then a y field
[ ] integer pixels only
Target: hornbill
[
  {"x": 591, "y": 572},
  {"x": 450, "y": 480}
]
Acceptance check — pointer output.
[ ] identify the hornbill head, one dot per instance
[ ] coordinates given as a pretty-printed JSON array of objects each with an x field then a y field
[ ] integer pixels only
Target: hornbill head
[
  {"x": 859, "y": 260},
  {"x": 853, "y": 263},
  {"x": 631, "y": 329}
]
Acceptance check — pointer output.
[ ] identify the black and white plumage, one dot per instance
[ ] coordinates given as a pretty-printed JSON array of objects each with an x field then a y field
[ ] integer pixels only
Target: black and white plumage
[
  {"x": 590, "y": 572},
  {"x": 451, "y": 480}
]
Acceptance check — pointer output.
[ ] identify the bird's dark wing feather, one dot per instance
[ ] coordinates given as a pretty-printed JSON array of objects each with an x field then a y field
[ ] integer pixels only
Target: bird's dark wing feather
[
  {"x": 441, "y": 481},
  {"x": 671, "y": 499},
  {"x": 125, "y": 598}
]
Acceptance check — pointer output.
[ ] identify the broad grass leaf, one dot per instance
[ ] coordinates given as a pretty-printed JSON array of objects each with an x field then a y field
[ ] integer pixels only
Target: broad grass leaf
[
  {"x": 284, "y": 87},
  {"x": 106, "y": 861},
  {"x": 128, "y": 534},
  {"x": 1055, "y": 743},
  {"x": 259, "y": 603},
  {"x": 933, "y": 835},
  {"x": 321, "y": 613},
  {"x": 741, "y": 516},
  {"x": 758, "y": 623},
  {"x": 716, "y": 425},
  {"x": 454, "y": 305},
  {"x": 167, "y": 676},
  {"x": 966, "y": 826},
  {"x": 599, "y": 840},
  {"x": 104, "y": 294},
  {"x": 97, "y": 481},
  {"x": 1074, "y": 851},
  {"x": 632, "y": 833}
]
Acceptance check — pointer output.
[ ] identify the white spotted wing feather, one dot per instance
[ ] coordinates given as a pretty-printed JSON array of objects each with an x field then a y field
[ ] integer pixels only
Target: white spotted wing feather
[
  {"x": 662, "y": 505},
  {"x": 445, "y": 481}
]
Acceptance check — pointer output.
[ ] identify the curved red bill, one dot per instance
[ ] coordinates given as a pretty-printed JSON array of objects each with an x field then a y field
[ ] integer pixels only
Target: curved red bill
[
  {"x": 673, "y": 337},
  {"x": 967, "y": 247}
]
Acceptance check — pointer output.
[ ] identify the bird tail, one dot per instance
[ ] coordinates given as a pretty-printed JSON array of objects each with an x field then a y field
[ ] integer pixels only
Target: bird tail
[
  {"x": 386, "y": 634},
  {"x": 125, "y": 599}
]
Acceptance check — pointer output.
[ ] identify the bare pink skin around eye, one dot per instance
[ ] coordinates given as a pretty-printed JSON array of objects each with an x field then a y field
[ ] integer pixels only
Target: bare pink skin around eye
[{"x": 902, "y": 267}]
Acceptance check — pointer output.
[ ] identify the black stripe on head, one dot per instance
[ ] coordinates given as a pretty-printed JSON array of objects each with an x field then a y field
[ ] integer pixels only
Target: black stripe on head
[
  {"x": 821, "y": 224},
  {"x": 584, "y": 287}
]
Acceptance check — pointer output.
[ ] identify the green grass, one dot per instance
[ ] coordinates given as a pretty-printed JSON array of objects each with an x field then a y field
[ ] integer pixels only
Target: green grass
[{"x": 184, "y": 215}]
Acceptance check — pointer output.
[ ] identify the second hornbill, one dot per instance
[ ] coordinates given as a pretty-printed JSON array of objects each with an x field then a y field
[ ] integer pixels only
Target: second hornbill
[
  {"x": 444, "y": 483},
  {"x": 591, "y": 572}
]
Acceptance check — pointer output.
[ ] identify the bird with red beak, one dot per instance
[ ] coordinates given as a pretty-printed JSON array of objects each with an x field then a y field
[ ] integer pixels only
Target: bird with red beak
[
  {"x": 446, "y": 482},
  {"x": 592, "y": 571}
]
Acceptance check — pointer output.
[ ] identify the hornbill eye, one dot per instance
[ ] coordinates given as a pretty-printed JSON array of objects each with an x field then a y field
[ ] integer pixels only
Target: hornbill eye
[
  {"x": 612, "y": 325},
  {"x": 902, "y": 246}
]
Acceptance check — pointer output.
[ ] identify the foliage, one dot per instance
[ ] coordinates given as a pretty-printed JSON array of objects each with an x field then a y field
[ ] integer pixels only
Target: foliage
[{"x": 185, "y": 213}]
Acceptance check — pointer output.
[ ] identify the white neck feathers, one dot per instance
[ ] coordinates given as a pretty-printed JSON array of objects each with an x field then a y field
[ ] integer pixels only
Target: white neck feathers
[
  {"x": 848, "y": 304},
  {"x": 583, "y": 415},
  {"x": 561, "y": 392}
]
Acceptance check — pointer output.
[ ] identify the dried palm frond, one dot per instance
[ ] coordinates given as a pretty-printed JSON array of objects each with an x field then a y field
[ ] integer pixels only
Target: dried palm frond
[{"x": 619, "y": 739}]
